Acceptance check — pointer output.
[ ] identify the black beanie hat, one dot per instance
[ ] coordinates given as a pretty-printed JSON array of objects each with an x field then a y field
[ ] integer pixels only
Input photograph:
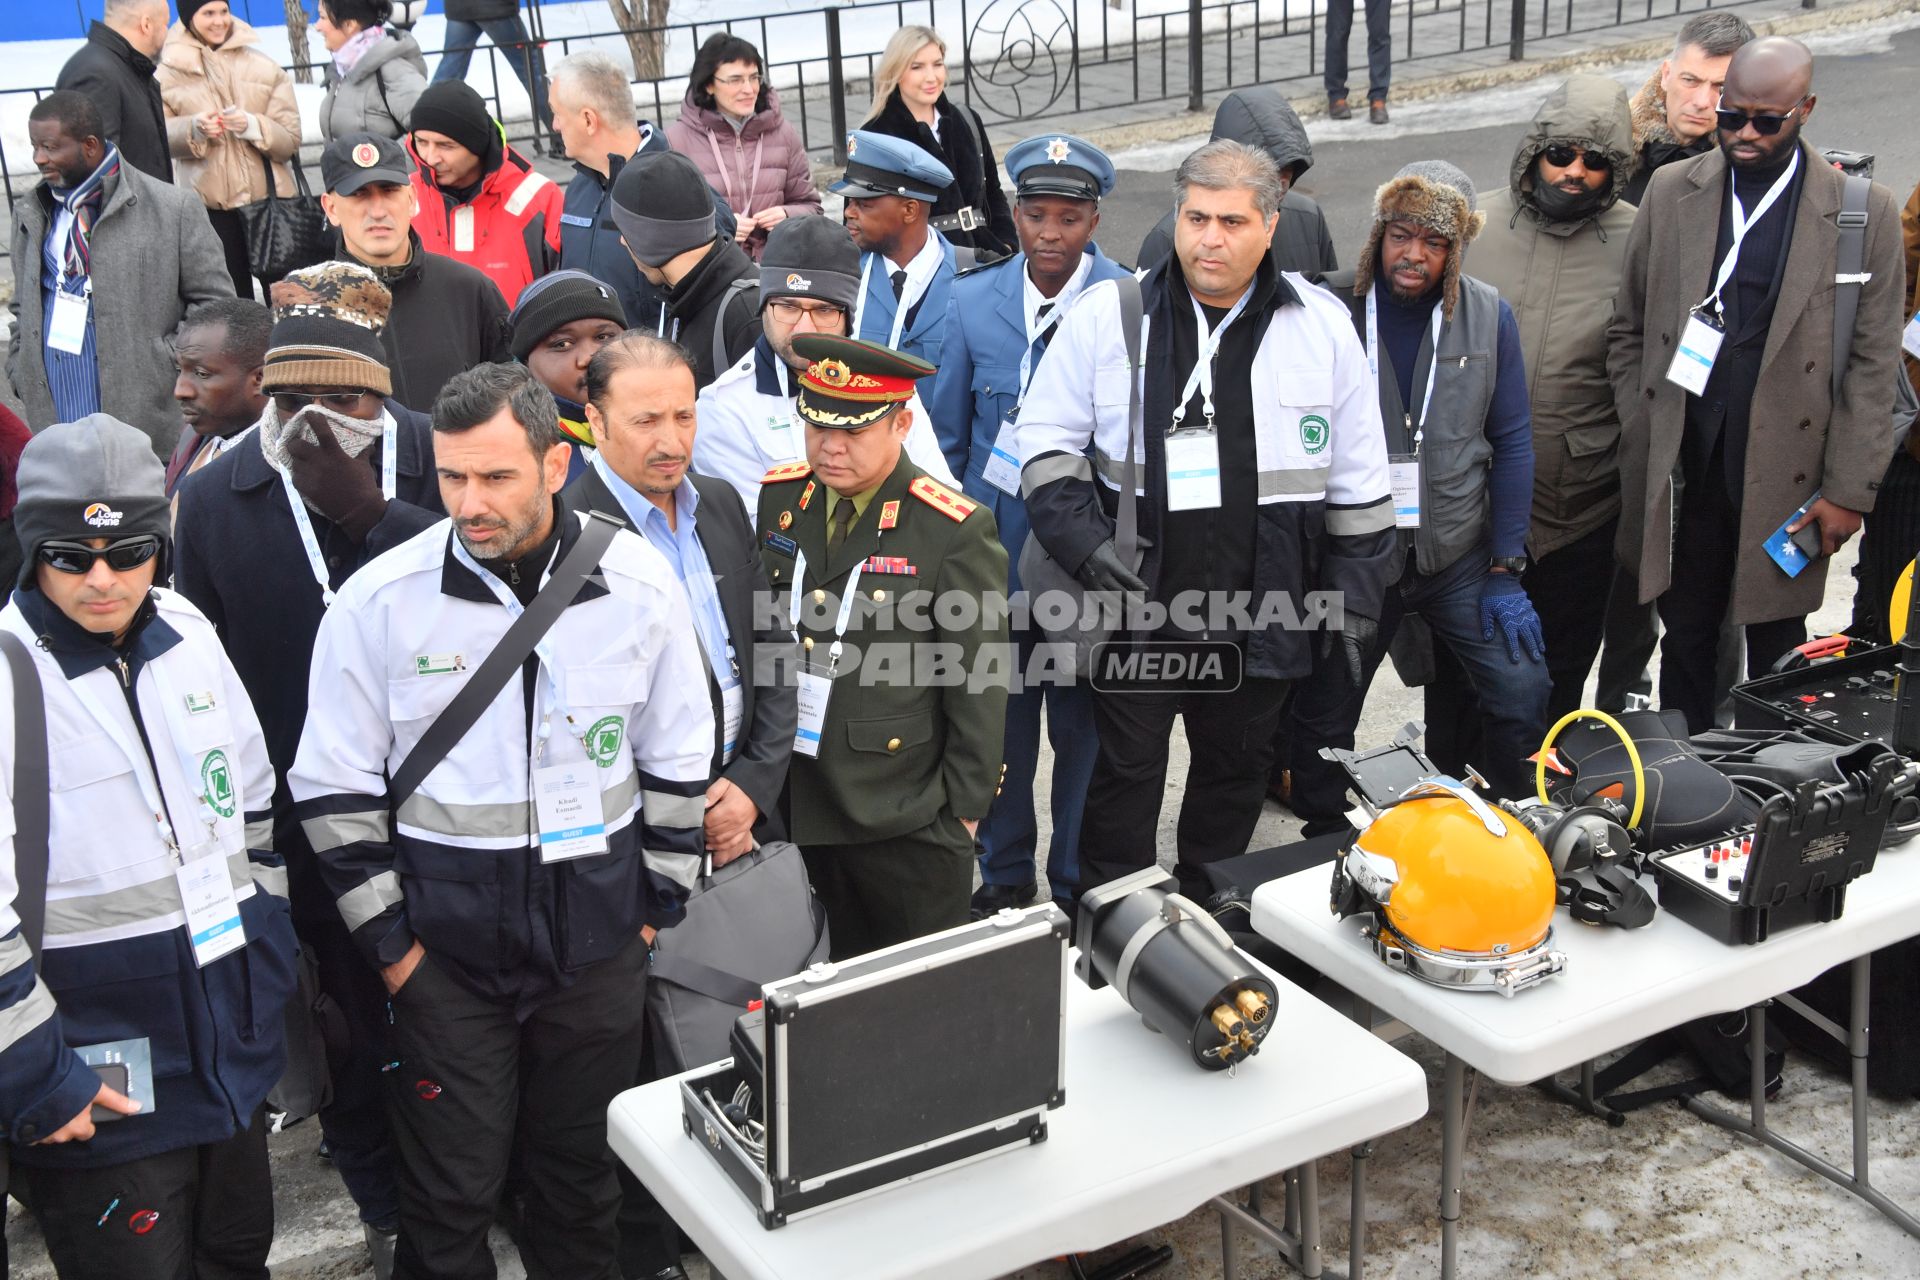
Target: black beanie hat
[
  {"x": 810, "y": 257},
  {"x": 663, "y": 207},
  {"x": 557, "y": 298},
  {"x": 188, "y": 8},
  {"x": 453, "y": 107}
]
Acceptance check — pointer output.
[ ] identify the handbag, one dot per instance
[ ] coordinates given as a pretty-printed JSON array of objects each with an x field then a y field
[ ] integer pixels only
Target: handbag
[
  {"x": 751, "y": 922},
  {"x": 1093, "y": 621},
  {"x": 285, "y": 233}
]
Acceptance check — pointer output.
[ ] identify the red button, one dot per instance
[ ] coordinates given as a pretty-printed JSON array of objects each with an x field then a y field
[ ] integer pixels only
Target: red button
[{"x": 1809, "y": 697}]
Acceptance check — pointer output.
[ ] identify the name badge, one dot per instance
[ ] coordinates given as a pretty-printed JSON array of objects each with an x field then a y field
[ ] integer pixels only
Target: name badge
[
  {"x": 783, "y": 441},
  {"x": 733, "y": 702},
  {"x": 566, "y": 797},
  {"x": 815, "y": 688},
  {"x": 1910, "y": 338},
  {"x": 1403, "y": 474},
  {"x": 198, "y": 704},
  {"x": 213, "y": 913},
  {"x": 67, "y": 327},
  {"x": 1193, "y": 471},
  {"x": 439, "y": 664},
  {"x": 1003, "y": 464},
  {"x": 1692, "y": 362}
]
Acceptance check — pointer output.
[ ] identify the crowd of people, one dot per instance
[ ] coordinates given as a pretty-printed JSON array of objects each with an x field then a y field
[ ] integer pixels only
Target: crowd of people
[{"x": 416, "y": 635}]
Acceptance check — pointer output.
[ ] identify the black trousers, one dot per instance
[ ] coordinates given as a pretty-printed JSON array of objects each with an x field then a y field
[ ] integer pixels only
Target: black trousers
[
  {"x": 1230, "y": 745},
  {"x": 198, "y": 1213},
  {"x": 1707, "y": 548},
  {"x": 232, "y": 230},
  {"x": 474, "y": 1080},
  {"x": 888, "y": 891}
]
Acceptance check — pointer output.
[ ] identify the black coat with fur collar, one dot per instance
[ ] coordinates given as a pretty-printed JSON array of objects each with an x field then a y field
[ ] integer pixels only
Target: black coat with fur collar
[{"x": 976, "y": 173}]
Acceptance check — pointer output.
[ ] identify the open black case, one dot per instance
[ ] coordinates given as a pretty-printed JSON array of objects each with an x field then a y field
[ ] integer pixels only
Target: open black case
[{"x": 859, "y": 1075}]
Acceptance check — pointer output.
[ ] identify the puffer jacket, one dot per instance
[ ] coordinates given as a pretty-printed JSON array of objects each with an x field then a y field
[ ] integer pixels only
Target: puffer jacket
[
  {"x": 757, "y": 166},
  {"x": 1263, "y": 118},
  {"x": 1560, "y": 278},
  {"x": 194, "y": 80},
  {"x": 377, "y": 96}
]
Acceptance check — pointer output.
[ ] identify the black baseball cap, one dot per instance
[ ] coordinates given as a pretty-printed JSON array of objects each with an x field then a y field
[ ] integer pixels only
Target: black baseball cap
[{"x": 353, "y": 160}]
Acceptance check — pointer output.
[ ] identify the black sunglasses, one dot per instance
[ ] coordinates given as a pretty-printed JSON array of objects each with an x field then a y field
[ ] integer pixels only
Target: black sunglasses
[
  {"x": 1560, "y": 156},
  {"x": 292, "y": 402},
  {"x": 78, "y": 558},
  {"x": 1764, "y": 125}
]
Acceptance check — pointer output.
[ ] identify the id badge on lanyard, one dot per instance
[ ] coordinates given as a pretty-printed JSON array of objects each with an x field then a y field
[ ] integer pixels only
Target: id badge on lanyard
[
  {"x": 566, "y": 798},
  {"x": 815, "y": 683},
  {"x": 213, "y": 911},
  {"x": 733, "y": 704},
  {"x": 1910, "y": 338},
  {"x": 1193, "y": 470},
  {"x": 67, "y": 326},
  {"x": 1403, "y": 474},
  {"x": 1692, "y": 362},
  {"x": 1003, "y": 464}
]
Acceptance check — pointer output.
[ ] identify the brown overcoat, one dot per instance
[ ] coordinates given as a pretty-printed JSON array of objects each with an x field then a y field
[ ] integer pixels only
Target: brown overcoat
[{"x": 1800, "y": 440}]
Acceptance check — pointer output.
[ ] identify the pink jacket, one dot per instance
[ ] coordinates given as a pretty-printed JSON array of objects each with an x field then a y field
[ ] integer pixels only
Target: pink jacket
[{"x": 759, "y": 166}]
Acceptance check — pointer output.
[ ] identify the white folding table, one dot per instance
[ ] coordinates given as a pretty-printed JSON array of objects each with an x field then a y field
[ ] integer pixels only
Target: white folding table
[
  {"x": 1144, "y": 1138},
  {"x": 1619, "y": 987}
]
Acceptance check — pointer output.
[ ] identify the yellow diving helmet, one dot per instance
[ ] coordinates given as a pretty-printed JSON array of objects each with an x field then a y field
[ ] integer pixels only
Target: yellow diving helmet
[{"x": 1462, "y": 895}]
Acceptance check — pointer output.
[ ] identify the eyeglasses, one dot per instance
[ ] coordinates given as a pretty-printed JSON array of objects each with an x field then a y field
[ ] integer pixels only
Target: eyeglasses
[
  {"x": 78, "y": 558},
  {"x": 734, "y": 82},
  {"x": 1560, "y": 157},
  {"x": 292, "y": 402},
  {"x": 789, "y": 312},
  {"x": 1764, "y": 125}
]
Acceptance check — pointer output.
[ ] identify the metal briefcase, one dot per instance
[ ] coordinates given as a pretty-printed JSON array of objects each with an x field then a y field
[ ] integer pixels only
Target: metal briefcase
[{"x": 859, "y": 1075}]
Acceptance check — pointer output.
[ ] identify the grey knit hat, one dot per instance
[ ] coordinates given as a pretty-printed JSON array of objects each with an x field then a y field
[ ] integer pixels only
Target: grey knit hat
[
  {"x": 810, "y": 257},
  {"x": 95, "y": 478},
  {"x": 663, "y": 207}
]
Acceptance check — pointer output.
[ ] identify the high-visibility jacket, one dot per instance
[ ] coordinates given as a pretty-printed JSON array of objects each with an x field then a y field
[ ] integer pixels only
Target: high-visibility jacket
[
  {"x": 117, "y": 963},
  {"x": 510, "y": 229}
]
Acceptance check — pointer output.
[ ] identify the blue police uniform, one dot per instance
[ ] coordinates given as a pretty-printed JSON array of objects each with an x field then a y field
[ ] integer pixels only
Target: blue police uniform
[
  {"x": 975, "y": 392},
  {"x": 879, "y": 165}
]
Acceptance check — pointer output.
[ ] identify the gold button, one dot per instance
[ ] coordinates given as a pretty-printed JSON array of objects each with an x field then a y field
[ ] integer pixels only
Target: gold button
[
  {"x": 893, "y": 744},
  {"x": 807, "y": 644},
  {"x": 879, "y": 597},
  {"x": 820, "y": 597}
]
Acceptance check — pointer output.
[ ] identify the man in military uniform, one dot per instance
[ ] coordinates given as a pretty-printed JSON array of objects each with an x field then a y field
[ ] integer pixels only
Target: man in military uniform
[
  {"x": 890, "y": 580},
  {"x": 906, "y": 267},
  {"x": 1011, "y": 310}
]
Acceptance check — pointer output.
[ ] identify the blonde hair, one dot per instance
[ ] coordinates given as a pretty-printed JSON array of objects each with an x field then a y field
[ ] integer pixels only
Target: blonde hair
[{"x": 906, "y": 42}]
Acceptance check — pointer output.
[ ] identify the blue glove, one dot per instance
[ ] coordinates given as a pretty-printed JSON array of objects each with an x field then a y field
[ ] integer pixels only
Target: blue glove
[{"x": 1504, "y": 601}]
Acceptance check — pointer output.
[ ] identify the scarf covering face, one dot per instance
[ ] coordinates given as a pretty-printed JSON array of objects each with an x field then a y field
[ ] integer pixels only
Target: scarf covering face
[
  {"x": 84, "y": 202},
  {"x": 355, "y": 435},
  {"x": 348, "y": 55}
]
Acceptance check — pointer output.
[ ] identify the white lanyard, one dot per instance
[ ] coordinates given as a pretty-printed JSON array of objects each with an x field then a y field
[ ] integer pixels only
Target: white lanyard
[
  {"x": 909, "y": 296},
  {"x": 143, "y": 773},
  {"x": 389, "y": 483},
  {"x": 549, "y": 664},
  {"x": 1035, "y": 332},
  {"x": 1433, "y": 360},
  {"x": 1743, "y": 224},
  {"x": 1201, "y": 379},
  {"x": 660, "y": 330},
  {"x": 846, "y": 604}
]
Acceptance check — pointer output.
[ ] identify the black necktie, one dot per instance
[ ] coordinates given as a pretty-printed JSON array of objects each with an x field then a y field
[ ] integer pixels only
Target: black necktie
[
  {"x": 899, "y": 279},
  {"x": 1040, "y": 317},
  {"x": 837, "y": 527}
]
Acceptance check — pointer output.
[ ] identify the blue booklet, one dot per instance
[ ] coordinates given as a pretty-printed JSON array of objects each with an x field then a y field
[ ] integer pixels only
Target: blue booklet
[
  {"x": 1793, "y": 552},
  {"x": 128, "y": 1059}
]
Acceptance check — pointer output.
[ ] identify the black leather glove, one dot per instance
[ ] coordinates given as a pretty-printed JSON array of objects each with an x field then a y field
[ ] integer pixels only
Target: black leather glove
[
  {"x": 1352, "y": 643},
  {"x": 343, "y": 489},
  {"x": 1103, "y": 570}
]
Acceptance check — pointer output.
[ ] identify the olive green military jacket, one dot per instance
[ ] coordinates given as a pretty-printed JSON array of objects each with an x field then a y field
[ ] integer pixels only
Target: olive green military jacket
[{"x": 918, "y": 710}]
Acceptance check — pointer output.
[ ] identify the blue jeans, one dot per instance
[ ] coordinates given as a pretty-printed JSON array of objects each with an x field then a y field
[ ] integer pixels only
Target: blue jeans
[
  {"x": 1513, "y": 695},
  {"x": 1010, "y": 834},
  {"x": 509, "y": 36},
  {"x": 1379, "y": 48}
]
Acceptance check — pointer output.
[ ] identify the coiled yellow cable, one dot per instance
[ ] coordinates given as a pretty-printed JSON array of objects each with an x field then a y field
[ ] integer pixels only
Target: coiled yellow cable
[{"x": 1633, "y": 757}]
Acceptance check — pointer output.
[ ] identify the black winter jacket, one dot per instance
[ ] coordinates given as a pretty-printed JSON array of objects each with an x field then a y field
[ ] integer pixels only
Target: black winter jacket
[
  {"x": 1262, "y": 118},
  {"x": 119, "y": 80},
  {"x": 590, "y": 242},
  {"x": 976, "y": 174},
  {"x": 447, "y": 317},
  {"x": 697, "y": 301}
]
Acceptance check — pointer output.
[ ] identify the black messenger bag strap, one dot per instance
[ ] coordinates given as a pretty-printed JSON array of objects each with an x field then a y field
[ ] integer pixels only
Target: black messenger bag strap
[
  {"x": 1126, "y": 539},
  {"x": 1850, "y": 260},
  {"x": 493, "y": 673},
  {"x": 31, "y": 785}
]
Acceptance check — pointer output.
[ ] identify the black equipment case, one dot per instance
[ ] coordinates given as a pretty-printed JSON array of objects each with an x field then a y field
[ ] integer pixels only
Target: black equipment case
[{"x": 875, "y": 1070}]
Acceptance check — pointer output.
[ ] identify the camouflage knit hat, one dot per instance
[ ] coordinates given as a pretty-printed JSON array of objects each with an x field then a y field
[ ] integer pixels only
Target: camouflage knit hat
[
  {"x": 327, "y": 322},
  {"x": 1434, "y": 196}
]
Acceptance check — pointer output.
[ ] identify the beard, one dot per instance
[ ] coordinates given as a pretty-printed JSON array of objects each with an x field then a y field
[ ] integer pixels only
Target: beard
[
  {"x": 1560, "y": 205},
  {"x": 515, "y": 534}
]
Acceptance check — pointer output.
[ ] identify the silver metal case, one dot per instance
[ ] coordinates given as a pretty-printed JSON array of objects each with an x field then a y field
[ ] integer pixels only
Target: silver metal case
[{"x": 894, "y": 1064}]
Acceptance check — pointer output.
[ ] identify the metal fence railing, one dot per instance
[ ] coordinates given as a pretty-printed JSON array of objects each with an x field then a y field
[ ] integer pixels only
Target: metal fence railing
[{"x": 1018, "y": 60}]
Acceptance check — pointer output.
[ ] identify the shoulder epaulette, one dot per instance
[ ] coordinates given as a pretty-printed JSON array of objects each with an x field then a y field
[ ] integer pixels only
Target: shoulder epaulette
[
  {"x": 978, "y": 267},
  {"x": 787, "y": 471},
  {"x": 942, "y": 499}
]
